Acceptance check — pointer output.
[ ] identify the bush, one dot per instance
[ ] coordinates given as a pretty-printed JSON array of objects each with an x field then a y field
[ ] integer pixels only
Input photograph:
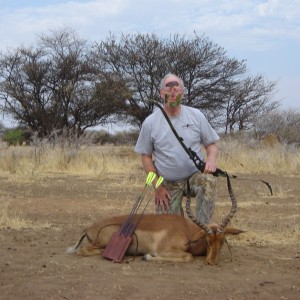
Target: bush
[
  {"x": 103, "y": 137},
  {"x": 284, "y": 124},
  {"x": 13, "y": 137}
]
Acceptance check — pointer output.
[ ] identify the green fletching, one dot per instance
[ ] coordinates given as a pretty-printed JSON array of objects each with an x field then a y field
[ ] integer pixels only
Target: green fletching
[
  {"x": 151, "y": 176},
  {"x": 159, "y": 181}
]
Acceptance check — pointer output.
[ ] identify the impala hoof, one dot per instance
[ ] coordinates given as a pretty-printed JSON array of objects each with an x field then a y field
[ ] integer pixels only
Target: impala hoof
[{"x": 147, "y": 257}]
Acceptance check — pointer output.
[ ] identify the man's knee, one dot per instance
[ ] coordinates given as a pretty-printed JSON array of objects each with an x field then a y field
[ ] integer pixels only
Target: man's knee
[{"x": 205, "y": 182}]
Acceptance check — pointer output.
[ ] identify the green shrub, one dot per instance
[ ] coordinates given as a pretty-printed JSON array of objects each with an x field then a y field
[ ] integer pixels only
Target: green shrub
[{"x": 13, "y": 137}]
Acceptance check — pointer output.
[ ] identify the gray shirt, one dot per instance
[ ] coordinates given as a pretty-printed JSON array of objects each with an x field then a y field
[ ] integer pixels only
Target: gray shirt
[{"x": 157, "y": 138}]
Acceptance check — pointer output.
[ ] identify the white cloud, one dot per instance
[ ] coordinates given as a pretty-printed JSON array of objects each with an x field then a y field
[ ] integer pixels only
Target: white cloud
[
  {"x": 25, "y": 23},
  {"x": 267, "y": 8},
  {"x": 252, "y": 23}
]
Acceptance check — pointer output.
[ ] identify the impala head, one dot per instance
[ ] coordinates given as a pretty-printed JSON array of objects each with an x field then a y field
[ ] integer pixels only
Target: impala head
[
  {"x": 215, "y": 241},
  {"x": 215, "y": 234}
]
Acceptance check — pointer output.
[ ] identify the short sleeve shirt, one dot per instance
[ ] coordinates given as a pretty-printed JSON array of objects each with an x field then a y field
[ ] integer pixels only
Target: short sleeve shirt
[{"x": 157, "y": 138}]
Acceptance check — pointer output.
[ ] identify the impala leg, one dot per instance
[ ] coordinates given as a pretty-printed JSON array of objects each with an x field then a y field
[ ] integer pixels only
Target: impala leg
[
  {"x": 170, "y": 257},
  {"x": 88, "y": 250}
]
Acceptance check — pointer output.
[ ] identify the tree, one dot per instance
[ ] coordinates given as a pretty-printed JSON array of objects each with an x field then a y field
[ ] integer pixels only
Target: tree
[
  {"x": 140, "y": 62},
  {"x": 55, "y": 85},
  {"x": 246, "y": 101},
  {"x": 214, "y": 83}
]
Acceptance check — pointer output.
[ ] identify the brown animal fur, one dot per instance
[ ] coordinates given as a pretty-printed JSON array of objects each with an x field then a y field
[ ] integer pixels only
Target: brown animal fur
[{"x": 158, "y": 237}]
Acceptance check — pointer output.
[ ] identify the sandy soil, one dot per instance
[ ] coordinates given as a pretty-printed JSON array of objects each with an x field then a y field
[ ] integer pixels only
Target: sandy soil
[{"x": 47, "y": 215}]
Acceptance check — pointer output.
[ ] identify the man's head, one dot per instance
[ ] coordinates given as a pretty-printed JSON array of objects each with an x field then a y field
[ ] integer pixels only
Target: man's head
[{"x": 171, "y": 90}]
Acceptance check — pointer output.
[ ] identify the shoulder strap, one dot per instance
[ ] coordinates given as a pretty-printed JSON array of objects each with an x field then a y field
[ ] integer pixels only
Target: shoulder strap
[{"x": 200, "y": 164}]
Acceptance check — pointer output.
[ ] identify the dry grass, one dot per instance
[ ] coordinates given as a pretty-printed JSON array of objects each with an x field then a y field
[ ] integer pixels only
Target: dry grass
[
  {"x": 103, "y": 161},
  {"x": 92, "y": 161},
  {"x": 13, "y": 219},
  {"x": 252, "y": 157},
  {"x": 9, "y": 219}
]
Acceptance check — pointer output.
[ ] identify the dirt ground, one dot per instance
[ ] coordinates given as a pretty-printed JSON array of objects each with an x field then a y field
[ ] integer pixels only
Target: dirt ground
[{"x": 52, "y": 211}]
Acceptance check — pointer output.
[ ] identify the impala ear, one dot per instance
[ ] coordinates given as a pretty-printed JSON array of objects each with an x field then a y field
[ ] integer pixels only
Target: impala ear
[{"x": 234, "y": 231}]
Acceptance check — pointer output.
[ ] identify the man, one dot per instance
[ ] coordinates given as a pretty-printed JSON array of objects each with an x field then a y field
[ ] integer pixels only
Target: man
[{"x": 162, "y": 153}]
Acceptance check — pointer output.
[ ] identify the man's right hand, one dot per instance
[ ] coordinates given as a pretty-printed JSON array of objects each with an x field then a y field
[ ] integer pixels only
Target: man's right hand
[{"x": 162, "y": 198}]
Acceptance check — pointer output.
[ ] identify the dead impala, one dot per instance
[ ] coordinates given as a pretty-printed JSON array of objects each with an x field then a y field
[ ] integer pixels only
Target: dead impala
[{"x": 162, "y": 237}]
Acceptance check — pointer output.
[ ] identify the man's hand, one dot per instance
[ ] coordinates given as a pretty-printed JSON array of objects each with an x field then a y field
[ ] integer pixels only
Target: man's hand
[
  {"x": 210, "y": 166},
  {"x": 210, "y": 162},
  {"x": 162, "y": 198}
]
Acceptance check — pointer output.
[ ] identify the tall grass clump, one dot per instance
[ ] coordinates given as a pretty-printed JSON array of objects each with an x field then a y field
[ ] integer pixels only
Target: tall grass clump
[
  {"x": 244, "y": 154},
  {"x": 15, "y": 220},
  {"x": 9, "y": 219}
]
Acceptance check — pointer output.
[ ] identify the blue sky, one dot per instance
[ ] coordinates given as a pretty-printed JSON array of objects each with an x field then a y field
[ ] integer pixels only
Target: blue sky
[{"x": 265, "y": 33}]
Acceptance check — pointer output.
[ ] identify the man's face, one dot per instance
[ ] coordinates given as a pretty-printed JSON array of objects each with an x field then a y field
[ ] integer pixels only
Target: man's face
[{"x": 172, "y": 92}]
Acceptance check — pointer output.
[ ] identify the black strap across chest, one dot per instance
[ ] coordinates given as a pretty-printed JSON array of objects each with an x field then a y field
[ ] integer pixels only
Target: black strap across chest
[{"x": 200, "y": 164}]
